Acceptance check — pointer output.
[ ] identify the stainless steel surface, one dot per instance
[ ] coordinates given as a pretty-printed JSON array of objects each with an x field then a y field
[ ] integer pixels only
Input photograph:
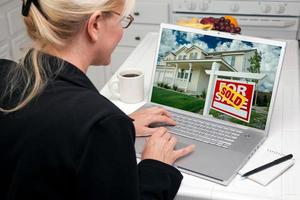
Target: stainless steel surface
[{"x": 262, "y": 18}]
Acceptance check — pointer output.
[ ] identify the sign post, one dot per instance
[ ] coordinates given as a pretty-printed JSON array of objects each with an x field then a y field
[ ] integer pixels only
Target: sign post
[{"x": 212, "y": 79}]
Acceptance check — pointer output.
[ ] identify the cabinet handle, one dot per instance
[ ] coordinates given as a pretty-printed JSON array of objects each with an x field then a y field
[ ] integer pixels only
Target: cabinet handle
[
  {"x": 136, "y": 13},
  {"x": 138, "y": 38}
]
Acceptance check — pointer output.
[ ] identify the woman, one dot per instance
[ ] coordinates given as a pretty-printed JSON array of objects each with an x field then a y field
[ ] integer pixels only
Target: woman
[{"x": 60, "y": 139}]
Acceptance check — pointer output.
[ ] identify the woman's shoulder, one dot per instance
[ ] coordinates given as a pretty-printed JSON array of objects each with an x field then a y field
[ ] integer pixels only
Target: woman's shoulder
[
  {"x": 94, "y": 102},
  {"x": 6, "y": 62},
  {"x": 86, "y": 105},
  {"x": 5, "y": 65}
]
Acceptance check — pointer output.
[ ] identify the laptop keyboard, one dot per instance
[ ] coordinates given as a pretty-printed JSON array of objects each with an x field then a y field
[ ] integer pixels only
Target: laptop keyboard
[{"x": 204, "y": 131}]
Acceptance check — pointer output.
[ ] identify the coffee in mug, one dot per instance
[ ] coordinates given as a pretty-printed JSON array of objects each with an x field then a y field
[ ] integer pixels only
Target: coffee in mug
[
  {"x": 128, "y": 85},
  {"x": 130, "y": 75}
]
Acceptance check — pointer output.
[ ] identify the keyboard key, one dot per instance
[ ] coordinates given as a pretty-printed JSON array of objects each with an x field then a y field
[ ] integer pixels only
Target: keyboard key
[{"x": 204, "y": 131}]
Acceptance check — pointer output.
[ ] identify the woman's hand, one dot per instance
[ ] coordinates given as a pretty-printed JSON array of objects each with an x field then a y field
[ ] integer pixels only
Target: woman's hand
[
  {"x": 160, "y": 146},
  {"x": 148, "y": 116}
]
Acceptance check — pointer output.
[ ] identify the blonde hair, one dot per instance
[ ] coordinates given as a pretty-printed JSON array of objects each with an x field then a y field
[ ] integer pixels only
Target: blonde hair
[{"x": 52, "y": 25}]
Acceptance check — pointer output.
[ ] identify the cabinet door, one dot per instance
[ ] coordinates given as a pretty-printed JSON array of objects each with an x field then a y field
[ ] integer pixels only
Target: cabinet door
[
  {"x": 151, "y": 12},
  {"x": 20, "y": 45},
  {"x": 97, "y": 75},
  {"x": 3, "y": 1},
  {"x": 5, "y": 51},
  {"x": 4, "y": 37},
  {"x": 133, "y": 35},
  {"x": 118, "y": 57},
  {"x": 4, "y": 34},
  {"x": 13, "y": 37},
  {"x": 15, "y": 21}
]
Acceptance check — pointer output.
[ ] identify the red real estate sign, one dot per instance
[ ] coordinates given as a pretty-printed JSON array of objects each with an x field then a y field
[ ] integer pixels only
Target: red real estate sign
[{"x": 233, "y": 98}]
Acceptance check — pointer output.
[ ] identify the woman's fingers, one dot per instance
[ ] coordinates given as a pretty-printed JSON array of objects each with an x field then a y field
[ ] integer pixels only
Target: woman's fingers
[
  {"x": 161, "y": 119},
  {"x": 173, "y": 142},
  {"x": 167, "y": 136},
  {"x": 149, "y": 131},
  {"x": 161, "y": 111},
  {"x": 184, "y": 151},
  {"x": 160, "y": 132},
  {"x": 160, "y": 146},
  {"x": 166, "y": 120}
]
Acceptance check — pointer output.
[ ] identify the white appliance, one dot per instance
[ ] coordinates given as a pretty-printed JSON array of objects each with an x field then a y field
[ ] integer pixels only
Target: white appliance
[{"x": 261, "y": 18}]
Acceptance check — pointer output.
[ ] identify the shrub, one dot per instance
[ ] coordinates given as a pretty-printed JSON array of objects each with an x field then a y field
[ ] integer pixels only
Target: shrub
[
  {"x": 166, "y": 85},
  {"x": 175, "y": 87},
  {"x": 160, "y": 84},
  {"x": 203, "y": 94}
]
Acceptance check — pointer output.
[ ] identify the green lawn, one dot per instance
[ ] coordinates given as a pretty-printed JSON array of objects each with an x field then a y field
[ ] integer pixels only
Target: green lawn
[
  {"x": 177, "y": 100},
  {"x": 257, "y": 119},
  {"x": 193, "y": 104}
]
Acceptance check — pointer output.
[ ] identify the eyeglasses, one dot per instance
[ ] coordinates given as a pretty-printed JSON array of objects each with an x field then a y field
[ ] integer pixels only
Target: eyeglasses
[{"x": 125, "y": 21}]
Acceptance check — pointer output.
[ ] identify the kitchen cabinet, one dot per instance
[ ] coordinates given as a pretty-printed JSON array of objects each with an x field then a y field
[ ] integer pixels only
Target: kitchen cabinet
[
  {"x": 147, "y": 18},
  {"x": 13, "y": 38}
]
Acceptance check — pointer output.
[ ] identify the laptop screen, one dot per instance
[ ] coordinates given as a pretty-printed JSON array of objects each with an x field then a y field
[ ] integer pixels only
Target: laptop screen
[{"x": 219, "y": 75}]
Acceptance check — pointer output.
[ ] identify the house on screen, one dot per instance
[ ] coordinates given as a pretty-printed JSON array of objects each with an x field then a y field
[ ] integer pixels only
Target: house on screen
[{"x": 185, "y": 68}]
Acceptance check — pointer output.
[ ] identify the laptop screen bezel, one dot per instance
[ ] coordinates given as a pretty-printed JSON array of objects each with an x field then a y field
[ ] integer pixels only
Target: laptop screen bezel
[{"x": 282, "y": 44}]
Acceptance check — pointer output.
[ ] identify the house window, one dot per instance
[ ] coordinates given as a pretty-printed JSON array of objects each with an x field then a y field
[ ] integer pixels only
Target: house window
[
  {"x": 180, "y": 57},
  {"x": 192, "y": 56},
  {"x": 180, "y": 73},
  {"x": 184, "y": 57},
  {"x": 187, "y": 75},
  {"x": 195, "y": 55},
  {"x": 184, "y": 74}
]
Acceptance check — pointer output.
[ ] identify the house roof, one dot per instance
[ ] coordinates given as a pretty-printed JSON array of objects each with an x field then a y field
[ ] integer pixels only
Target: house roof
[
  {"x": 231, "y": 52},
  {"x": 170, "y": 53},
  {"x": 186, "y": 49},
  {"x": 195, "y": 47},
  {"x": 180, "y": 50}
]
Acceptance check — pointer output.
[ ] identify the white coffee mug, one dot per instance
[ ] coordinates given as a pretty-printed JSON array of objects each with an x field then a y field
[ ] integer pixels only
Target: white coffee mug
[{"x": 128, "y": 85}]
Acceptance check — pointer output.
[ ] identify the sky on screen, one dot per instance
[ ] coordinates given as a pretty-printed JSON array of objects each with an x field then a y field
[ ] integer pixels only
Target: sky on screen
[{"x": 172, "y": 40}]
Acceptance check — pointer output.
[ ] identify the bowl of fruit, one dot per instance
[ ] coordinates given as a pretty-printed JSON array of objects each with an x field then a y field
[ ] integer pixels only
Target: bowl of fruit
[{"x": 226, "y": 24}]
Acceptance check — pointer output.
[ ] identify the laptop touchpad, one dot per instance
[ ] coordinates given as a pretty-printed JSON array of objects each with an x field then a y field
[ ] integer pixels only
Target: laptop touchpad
[
  {"x": 140, "y": 142},
  {"x": 180, "y": 145}
]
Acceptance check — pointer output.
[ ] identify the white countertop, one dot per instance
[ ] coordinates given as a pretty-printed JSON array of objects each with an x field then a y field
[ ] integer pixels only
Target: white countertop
[{"x": 284, "y": 133}]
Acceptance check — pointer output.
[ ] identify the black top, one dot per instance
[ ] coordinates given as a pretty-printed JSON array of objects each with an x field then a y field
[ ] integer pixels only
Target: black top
[{"x": 72, "y": 143}]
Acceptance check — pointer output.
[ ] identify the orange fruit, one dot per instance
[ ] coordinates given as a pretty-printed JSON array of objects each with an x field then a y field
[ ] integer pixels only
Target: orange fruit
[
  {"x": 232, "y": 20},
  {"x": 194, "y": 20}
]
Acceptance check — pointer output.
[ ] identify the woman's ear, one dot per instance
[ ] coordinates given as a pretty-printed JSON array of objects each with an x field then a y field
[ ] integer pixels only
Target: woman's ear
[{"x": 94, "y": 26}]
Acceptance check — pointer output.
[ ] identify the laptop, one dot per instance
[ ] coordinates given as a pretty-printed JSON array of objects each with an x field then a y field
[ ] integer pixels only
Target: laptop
[{"x": 220, "y": 89}]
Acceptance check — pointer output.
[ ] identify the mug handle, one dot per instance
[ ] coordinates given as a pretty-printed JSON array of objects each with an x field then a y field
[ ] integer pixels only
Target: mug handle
[{"x": 111, "y": 86}]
